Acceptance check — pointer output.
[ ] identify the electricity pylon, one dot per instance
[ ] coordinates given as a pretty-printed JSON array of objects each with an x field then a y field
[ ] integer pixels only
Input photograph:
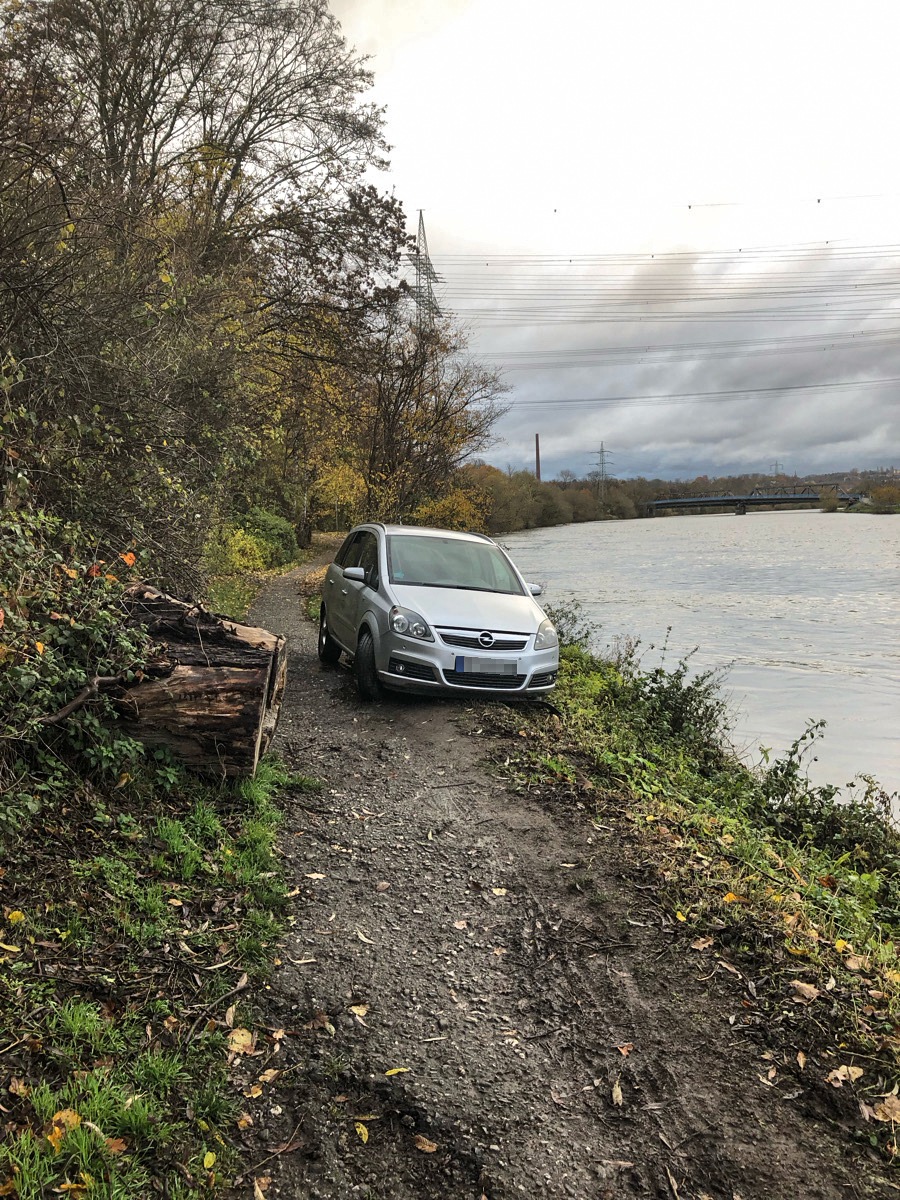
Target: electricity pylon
[{"x": 427, "y": 307}]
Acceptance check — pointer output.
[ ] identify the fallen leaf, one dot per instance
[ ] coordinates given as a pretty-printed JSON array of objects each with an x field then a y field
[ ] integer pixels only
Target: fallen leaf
[
  {"x": 679, "y": 916},
  {"x": 460, "y": 924},
  {"x": 499, "y": 891},
  {"x": 128, "y": 559},
  {"x": 269, "y": 1076},
  {"x": 240, "y": 1041},
  {"x": 734, "y": 898},
  {"x": 362, "y": 937},
  {"x": 19, "y": 1087},
  {"x": 843, "y": 1074},
  {"x": 804, "y": 993},
  {"x": 116, "y": 1145},
  {"x": 382, "y": 885},
  {"x": 855, "y": 962},
  {"x": 258, "y": 1193},
  {"x": 840, "y": 945},
  {"x": 363, "y": 1132},
  {"x": 60, "y": 1124},
  {"x": 617, "y": 1097},
  {"x": 209, "y": 1160},
  {"x": 244, "y": 1121},
  {"x": 10, "y": 949},
  {"x": 625, "y": 1049},
  {"x": 701, "y": 943},
  {"x": 316, "y": 875},
  {"x": 801, "y": 1060},
  {"x": 321, "y": 1020},
  {"x": 397, "y": 1071},
  {"x": 359, "y": 1010},
  {"x": 424, "y": 1144},
  {"x": 39, "y": 646},
  {"x": 888, "y": 1109}
]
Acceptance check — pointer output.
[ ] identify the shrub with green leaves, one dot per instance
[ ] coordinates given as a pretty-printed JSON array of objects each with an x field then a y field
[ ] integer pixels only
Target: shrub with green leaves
[
  {"x": 274, "y": 535},
  {"x": 61, "y": 629}
]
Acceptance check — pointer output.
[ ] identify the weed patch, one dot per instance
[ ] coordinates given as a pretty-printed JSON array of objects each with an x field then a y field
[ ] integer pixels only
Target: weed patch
[{"x": 133, "y": 920}]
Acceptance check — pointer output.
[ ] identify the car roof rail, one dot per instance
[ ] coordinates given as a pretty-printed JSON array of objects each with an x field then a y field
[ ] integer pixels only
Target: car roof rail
[{"x": 477, "y": 533}]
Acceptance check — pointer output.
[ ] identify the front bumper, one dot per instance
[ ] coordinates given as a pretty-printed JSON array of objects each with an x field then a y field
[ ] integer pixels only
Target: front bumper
[{"x": 430, "y": 667}]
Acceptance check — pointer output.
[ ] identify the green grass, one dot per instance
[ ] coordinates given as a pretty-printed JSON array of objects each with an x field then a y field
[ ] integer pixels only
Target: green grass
[{"x": 114, "y": 1072}]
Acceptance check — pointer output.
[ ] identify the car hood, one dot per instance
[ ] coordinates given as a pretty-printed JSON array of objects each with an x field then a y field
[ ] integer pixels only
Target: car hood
[{"x": 470, "y": 610}]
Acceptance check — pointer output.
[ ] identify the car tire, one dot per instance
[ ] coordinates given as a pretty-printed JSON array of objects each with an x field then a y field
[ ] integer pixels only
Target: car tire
[
  {"x": 367, "y": 682},
  {"x": 329, "y": 650}
]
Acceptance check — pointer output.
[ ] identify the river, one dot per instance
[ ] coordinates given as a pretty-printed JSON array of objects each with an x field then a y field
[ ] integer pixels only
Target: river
[{"x": 802, "y": 609}]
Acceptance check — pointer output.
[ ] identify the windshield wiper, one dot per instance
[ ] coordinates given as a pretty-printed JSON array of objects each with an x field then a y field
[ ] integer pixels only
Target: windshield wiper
[{"x": 456, "y": 587}]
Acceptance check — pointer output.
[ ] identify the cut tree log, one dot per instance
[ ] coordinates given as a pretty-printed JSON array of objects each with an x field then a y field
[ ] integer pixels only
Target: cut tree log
[{"x": 212, "y": 695}]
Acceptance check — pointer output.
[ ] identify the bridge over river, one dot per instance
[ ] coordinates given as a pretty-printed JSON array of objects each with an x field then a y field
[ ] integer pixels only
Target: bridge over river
[{"x": 783, "y": 495}]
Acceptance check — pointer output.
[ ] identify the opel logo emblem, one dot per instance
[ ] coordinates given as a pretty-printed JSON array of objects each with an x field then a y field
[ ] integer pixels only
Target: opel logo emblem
[{"x": 486, "y": 639}]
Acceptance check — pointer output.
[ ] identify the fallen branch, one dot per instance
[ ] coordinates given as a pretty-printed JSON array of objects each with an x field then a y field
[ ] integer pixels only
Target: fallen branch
[{"x": 91, "y": 689}]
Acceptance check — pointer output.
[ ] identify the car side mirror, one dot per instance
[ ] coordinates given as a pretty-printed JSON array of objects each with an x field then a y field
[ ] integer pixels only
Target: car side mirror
[
  {"x": 355, "y": 574},
  {"x": 535, "y": 588}
]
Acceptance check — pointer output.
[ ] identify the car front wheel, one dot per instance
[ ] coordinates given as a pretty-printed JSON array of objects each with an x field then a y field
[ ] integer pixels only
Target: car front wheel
[
  {"x": 367, "y": 682},
  {"x": 329, "y": 650}
]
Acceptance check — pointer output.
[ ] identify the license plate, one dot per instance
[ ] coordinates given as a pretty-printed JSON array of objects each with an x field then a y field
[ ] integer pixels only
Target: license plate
[{"x": 486, "y": 666}]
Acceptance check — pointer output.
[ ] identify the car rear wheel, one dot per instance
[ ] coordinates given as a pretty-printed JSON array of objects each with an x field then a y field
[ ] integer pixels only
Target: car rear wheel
[
  {"x": 329, "y": 650},
  {"x": 367, "y": 682}
]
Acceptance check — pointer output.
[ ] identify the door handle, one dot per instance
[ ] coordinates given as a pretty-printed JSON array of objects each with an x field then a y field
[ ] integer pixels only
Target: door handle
[
  {"x": 331, "y": 583},
  {"x": 343, "y": 591}
]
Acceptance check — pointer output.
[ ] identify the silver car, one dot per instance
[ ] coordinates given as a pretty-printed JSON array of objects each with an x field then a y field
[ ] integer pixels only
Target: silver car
[{"x": 428, "y": 610}]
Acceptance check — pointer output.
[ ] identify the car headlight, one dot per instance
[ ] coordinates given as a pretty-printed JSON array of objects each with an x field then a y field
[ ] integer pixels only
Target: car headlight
[
  {"x": 545, "y": 637},
  {"x": 410, "y": 624}
]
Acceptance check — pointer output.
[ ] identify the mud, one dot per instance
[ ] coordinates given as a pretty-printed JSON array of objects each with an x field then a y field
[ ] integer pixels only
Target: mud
[{"x": 504, "y": 955}]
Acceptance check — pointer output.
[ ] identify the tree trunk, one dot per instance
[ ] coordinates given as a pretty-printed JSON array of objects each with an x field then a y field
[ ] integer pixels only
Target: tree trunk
[{"x": 213, "y": 693}]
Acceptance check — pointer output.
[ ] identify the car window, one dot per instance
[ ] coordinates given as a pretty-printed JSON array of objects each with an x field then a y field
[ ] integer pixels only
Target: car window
[
  {"x": 368, "y": 558},
  {"x": 426, "y": 560},
  {"x": 351, "y": 558},
  {"x": 341, "y": 556}
]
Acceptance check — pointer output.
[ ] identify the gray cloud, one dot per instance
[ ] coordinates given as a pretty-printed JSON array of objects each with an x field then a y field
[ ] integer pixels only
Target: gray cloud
[{"x": 696, "y": 323}]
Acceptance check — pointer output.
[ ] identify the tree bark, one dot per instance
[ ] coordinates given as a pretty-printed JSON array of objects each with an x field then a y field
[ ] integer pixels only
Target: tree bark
[{"x": 213, "y": 695}]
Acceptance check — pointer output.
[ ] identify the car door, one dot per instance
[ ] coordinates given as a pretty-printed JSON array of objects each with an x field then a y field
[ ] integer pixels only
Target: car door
[
  {"x": 360, "y": 595},
  {"x": 340, "y": 601}
]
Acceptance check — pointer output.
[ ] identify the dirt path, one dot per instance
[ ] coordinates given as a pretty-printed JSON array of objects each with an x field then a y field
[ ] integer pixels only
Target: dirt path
[{"x": 504, "y": 957}]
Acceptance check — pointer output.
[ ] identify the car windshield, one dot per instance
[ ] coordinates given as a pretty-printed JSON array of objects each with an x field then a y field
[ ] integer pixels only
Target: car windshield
[{"x": 427, "y": 560}]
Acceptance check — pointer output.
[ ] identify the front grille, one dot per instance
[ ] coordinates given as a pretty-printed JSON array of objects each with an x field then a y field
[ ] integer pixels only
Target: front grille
[
  {"x": 545, "y": 679},
  {"x": 411, "y": 670},
  {"x": 475, "y": 679},
  {"x": 471, "y": 642}
]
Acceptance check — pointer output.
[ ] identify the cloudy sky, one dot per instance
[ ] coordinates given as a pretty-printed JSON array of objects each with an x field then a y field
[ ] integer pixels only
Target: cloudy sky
[{"x": 675, "y": 228}]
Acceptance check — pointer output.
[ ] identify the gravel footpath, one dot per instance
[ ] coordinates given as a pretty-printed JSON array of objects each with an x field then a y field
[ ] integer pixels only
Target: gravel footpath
[{"x": 476, "y": 997}]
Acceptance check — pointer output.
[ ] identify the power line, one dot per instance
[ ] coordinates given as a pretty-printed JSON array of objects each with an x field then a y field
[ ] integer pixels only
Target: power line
[{"x": 679, "y": 397}]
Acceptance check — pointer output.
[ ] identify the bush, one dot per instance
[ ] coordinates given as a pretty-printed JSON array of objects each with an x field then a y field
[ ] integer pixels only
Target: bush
[
  {"x": 886, "y": 498},
  {"x": 457, "y": 510},
  {"x": 61, "y": 616},
  {"x": 232, "y": 551},
  {"x": 275, "y": 536}
]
